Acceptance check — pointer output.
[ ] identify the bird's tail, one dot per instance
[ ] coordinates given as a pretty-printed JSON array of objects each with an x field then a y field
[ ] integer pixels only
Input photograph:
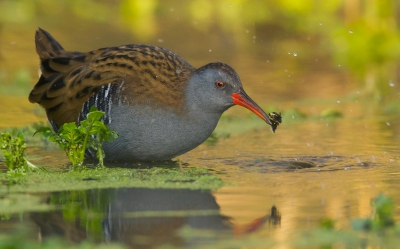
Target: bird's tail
[
  {"x": 57, "y": 67},
  {"x": 46, "y": 46}
]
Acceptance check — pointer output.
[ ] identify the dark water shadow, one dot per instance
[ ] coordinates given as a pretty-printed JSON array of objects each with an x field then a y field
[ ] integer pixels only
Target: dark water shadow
[
  {"x": 143, "y": 218},
  {"x": 299, "y": 163}
]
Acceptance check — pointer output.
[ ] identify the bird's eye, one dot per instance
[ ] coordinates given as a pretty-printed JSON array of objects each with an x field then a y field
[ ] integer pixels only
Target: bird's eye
[{"x": 219, "y": 84}]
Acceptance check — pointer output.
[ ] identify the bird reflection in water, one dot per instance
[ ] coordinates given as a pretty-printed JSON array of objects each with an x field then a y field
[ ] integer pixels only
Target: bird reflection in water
[{"x": 142, "y": 218}]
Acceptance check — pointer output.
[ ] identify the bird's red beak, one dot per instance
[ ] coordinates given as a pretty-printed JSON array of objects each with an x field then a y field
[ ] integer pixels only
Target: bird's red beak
[{"x": 241, "y": 98}]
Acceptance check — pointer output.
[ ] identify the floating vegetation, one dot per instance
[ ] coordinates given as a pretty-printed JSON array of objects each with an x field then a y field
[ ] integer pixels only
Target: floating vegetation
[{"x": 156, "y": 177}]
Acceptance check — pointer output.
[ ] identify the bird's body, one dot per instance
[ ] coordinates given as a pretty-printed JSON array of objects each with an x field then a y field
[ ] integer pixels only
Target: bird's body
[{"x": 159, "y": 104}]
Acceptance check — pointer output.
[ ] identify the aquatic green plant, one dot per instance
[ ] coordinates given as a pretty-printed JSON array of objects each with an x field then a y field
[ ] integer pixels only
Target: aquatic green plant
[
  {"x": 27, "y": 132},
  {"x": 13, "y": 149},
  {"x": 382, "y": 217},
  {"x": 75, "y": 139},
  {"x": 377, "y": 231}
]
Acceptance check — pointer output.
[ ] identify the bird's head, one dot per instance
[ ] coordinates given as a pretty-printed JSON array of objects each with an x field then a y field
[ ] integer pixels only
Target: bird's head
[{"x": 216, "y": 87}]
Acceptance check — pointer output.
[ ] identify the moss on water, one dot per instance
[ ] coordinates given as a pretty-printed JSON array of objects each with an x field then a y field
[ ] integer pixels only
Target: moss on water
[{"x": 189, "y": 178}]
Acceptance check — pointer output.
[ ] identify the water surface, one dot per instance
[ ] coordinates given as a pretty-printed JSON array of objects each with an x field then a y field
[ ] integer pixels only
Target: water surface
[
  {"x": 309, "y": 170},
  {"x": 313, "y": 167}
]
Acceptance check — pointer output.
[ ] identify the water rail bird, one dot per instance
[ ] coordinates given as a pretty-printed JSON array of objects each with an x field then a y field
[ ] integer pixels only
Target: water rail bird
[{"x": 160, "y": 105}]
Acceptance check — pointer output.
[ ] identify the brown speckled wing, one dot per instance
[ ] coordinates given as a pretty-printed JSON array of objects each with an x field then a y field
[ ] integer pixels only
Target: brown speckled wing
[{"x": 131, "y": 74}]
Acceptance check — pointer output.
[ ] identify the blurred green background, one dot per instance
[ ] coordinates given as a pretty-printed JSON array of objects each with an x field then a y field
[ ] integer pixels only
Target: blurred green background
[{"x": 283, "y": 50}]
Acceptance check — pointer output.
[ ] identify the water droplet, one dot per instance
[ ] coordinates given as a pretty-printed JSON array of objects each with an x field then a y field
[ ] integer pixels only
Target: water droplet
[
  {"x": 160, "y": 40},
  {"x": 267, "y": 61},
  {"x": 289, "y": 53},
  {"x": 247, "y": 31},
  {"x": 292, "y": 116},
  {"x": 346, "y": 168},
  {"x": 338, "y": 101},
  {"x": 308, "y": 144},
  {"x": 387, "y": 123},
  {"x": 171, "y": 9},
  {"x": 391, "y": 83},
  {"x": 254, "y": 37},
  {"x": 209, "y": 50},
  {"x": 391, "y": 160},
  {"x": 320, "y": 24},
  {"x": 339, "y": 65},
  {"x": 294, "y": 54},
  {"x": 351, "y": 31}
]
